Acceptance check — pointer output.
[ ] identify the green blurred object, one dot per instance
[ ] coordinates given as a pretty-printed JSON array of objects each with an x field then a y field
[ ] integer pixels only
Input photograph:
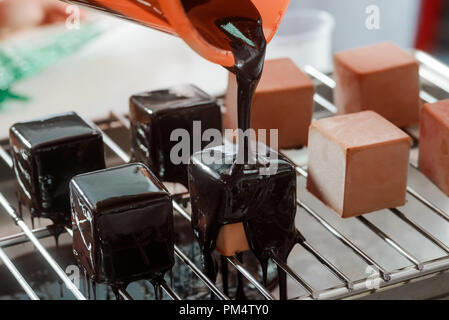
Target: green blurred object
[
  {"x": 7, "y": 94},
  {"x": 24, "y": 60}
]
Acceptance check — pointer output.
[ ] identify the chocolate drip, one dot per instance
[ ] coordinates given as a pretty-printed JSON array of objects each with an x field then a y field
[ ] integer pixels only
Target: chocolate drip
[
  {"x": 157, "y": 284},
  {"x": 282, "y": 276},
  {"x": 224, "y": 275},
  {"x": 94, "y": 289},
  {"x": 236, "y": 25},
  {"x": 115, "y": 291},
  {"x": 249, "y": 47},
  {"x": 264, "y": 266},
  {"x": 61, "y": 290},
  {"x": 47, "y": 153},
  {"x": 88, "y": 285},
  {"x": 122, "y": 232},
  {"x": 266, "y": 205},
  {"x": 240, "y": 295}
]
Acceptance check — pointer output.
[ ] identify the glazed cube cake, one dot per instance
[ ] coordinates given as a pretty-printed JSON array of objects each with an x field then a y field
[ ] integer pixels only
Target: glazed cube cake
[
  {"x": 434, "y": 143},
  {"x": 154, "y": 117},
  {"x": 382, "y": 78},
  {"x": 235, "y": 208},
  {"x": 122, "y": 225},
  {"x": 283, "y": 101},
  {"x": 47, "y": 153},
  {"x": 358, "y": 163}
]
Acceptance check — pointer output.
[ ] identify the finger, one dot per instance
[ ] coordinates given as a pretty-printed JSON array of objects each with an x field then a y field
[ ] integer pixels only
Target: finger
[{"x": 20, "y": 14}]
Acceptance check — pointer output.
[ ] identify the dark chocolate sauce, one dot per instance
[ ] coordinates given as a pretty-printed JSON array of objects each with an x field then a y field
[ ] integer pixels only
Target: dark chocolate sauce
[
  {"x": 240, "y": 295},
  {"x": 236, "y": 25},
  {"x": 88, "y": 286},
  {"x": 224, "y": 275},
  {"x": 265, "y": 204},
  {"x": 47, "y": 153},
  {"x": 155, "y": 115},
  {"x": 157, "y": 289},
  {"x": 122, "y": 226}
]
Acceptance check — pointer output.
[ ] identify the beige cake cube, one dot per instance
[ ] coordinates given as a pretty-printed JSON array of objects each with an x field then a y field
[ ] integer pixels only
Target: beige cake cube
[
  {"x": 434, "y": 143},
  {"x": 283, "y": 101},
  {"x": 383, "y": 78},
  {"x": 358, "y": 163},
  {"x": 232, "y": 239}
]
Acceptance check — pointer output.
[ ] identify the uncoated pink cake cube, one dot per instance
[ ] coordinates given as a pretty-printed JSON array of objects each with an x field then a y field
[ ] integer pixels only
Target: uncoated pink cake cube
[{"x": 358, "y": 163}]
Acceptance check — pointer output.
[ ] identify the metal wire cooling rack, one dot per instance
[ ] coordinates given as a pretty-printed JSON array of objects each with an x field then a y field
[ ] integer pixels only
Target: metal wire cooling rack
[{"x": 384, "y": 254}]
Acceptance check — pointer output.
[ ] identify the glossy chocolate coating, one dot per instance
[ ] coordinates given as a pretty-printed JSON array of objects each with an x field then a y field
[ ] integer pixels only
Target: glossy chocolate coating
[
  {"x": 47, "y": 153},
  {"x": 122, "y": 225},
  {"x": 265, "y": 204},
  {"x": 155, "y": 115},
  {"x": 239, "y": 194}
]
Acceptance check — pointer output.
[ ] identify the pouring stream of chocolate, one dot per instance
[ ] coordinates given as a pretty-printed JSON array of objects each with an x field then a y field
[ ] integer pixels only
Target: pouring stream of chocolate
[
  {"x": 234, "y": 25},
  {"x": 222, "y": 24}
]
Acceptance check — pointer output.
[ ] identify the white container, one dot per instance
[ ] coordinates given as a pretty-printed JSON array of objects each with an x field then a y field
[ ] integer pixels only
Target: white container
[
  {"x": 305, "y": 36},
  {"x": 398, "y": 21}
]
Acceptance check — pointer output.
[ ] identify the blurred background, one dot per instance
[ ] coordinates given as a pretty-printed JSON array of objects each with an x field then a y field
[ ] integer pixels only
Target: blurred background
[{"x": 50, "y": 62}]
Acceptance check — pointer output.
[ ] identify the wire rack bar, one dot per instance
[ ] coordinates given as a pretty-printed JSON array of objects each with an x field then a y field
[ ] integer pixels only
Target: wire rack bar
[
  {"x": 170, "y": 292},
  {"x": 421, "y": 230},
  {"x": 326, "y": 104},
  {"x": 330, "y": 266},
  {"x": 5, "y": 156},
  {"x": 375, "y": 230},
  {"x": 385, "y": 274},
  {"x": 419, "y": 265},
  {"x": 200, "y": 274},
  {"x": 431, "y": 268},
  {"x": 427, "y": 203},
  {"x": 239, "y": 266},
  {"x": 432, "y": 63},
  {"x": 18, "y": 276},
  {"x": 124, "y": 294},
  {"x": 431, "y": 77},
  {"x": 299, "y": 280},
  {"x": 21, "y": 237},
  {"x": 30, "y": 235},
  {"x": 53, "y": 264}
]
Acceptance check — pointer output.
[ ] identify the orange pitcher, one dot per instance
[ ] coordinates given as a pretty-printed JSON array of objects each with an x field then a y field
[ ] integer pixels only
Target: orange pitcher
[{"x": 169, "y": 16}]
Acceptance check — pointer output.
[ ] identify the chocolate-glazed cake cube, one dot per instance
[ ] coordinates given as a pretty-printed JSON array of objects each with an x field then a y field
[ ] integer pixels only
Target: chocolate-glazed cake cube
[
  {"x": 47, "y": 153},
  {"x": 154, "y": 117},
  {"x": 226, "y": 196},
  {"x": 122, "y": 225}
]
